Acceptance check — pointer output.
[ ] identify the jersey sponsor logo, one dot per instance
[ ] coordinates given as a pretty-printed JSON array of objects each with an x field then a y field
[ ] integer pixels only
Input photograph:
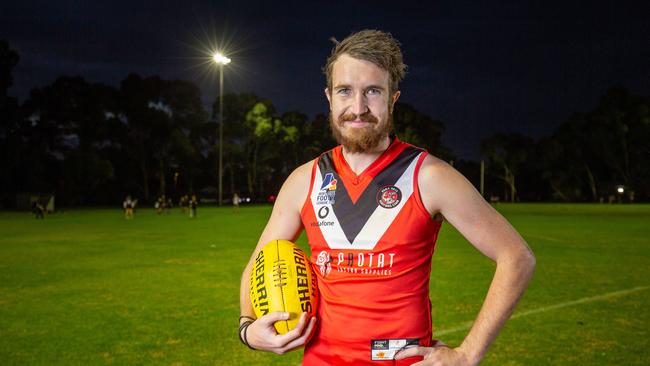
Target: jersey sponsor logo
[
  {"x": 366, "y": 264},
  {"x": 389, "y": 197},
  {"x": 324, "y": 263},
  {"x": 329, "y": 183},
  {"x": 327, "y": 191},
  {"x": 323, "y": 212},
  {"x": 322, "y": 223}
]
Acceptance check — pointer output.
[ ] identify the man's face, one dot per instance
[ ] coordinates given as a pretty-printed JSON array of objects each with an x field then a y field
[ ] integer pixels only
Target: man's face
[{"x": 360, "y": 104}]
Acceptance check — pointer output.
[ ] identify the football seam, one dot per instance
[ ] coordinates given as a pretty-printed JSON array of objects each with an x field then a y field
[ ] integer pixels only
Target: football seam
[{"x": 284, "y": 305}]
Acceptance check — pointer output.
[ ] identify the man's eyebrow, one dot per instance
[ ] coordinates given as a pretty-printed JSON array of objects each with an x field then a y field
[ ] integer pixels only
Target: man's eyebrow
[
  {"x": 348, "y": 86},
  {"x": 375, "y": 87}
]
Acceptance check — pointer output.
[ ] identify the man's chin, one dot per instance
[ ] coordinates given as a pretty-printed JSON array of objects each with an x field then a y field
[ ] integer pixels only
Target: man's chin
[{"x": 361, "y": 142}]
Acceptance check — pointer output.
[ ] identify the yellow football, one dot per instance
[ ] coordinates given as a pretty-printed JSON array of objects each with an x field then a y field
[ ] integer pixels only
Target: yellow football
[{"x": 282, "y": 279}]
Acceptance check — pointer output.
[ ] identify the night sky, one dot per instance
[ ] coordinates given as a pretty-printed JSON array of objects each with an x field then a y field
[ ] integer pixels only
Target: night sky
[{"x": 497, "y": 66}]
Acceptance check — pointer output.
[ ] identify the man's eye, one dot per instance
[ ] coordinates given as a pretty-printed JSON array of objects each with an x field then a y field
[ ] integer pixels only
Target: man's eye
[
  {"x": 343, "y": 91},
  {"x": 373, "y": 91}
]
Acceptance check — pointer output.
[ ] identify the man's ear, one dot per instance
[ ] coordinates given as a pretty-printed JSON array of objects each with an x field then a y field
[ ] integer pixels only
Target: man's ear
[
  {"x": 393, "y": 99},
  {"x": 329, "y": 96}
]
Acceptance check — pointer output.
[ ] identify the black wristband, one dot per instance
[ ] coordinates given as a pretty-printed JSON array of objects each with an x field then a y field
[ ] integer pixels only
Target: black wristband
[
  {"x": 244, "y": 327},
  {"x": 246, "y": 317},
  {"x": 245, "y": 339}
]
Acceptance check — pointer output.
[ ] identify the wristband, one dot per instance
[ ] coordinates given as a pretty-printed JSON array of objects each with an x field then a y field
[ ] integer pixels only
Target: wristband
[
  {"x": 246, "y": 317},
  {"x": 243, "y": 339}
]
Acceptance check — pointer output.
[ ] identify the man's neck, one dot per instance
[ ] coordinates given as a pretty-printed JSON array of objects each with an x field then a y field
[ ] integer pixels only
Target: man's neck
[{"x": 359, "y": 161}]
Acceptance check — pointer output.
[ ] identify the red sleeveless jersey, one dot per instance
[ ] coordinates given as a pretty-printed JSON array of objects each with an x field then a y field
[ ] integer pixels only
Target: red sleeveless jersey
[{"x": 371, "y": 241}]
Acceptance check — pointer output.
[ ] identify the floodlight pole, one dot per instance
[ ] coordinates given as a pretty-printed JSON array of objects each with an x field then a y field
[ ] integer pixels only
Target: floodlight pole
[
  {"x": 221, "y": 60},
  {"x": 220, "y": 134}
]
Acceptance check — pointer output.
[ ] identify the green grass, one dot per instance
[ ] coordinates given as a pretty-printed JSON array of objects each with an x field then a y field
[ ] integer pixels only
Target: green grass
[{"x": 88, "y": 287}]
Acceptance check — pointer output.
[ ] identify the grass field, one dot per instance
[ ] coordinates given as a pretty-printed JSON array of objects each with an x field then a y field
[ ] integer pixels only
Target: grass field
[{"x": 86, "y": 287}]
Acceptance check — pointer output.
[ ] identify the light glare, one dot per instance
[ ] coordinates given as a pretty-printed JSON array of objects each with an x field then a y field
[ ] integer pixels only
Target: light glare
[{"x": 220, "y": 59}]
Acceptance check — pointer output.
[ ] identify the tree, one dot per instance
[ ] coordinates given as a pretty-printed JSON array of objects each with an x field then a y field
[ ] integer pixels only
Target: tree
[
  {"x": 67, "y": 131},
  {"x": 316, "y": 138},
  {"x": 622, "y": 132},
  {"x": 147, "y": 126},
  {"x": 507, "y": 154},
  {"x": 164, "y": 119},
  {"x": 11, "y": 134},
  {"x": 268, "y": 138},
  {"x": 570, "y": 161},
  {"x": 592, "y": 152},
  {"x": 188, "y": 116},
  {"x": 237, "y": 137},
  {"x": 421, "y": 130},
  {"x": 296, "y": 122},
  {"x": 8, "y": 60}
]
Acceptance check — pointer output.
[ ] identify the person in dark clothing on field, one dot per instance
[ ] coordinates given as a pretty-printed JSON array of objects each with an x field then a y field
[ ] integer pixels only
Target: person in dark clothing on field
[
  {"x": 194, "y": 203},
  {"x": 38, "y": 210}
]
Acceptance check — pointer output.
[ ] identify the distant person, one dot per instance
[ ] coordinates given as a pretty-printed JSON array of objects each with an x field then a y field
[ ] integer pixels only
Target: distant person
[
  {"x": 184, "y": 203},
  {"x": 194, "y": 203},
  {"x": 494, "y": 199},
  {"x": 168, "y": 205},
  {"x": 160, "y": 205},
  {"x": 129, "y": 207},
  {"x": 38, "y": 210},
  {"x": 235, "y": 201}
]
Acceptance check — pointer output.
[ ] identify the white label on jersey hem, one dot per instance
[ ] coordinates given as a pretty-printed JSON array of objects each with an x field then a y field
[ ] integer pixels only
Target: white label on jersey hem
[{"x": 385, "y": 349}]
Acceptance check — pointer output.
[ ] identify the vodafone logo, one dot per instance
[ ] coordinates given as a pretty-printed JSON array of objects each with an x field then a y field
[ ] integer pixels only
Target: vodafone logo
[
  {"x": 389, "y": 197},
  {"x": 323, "y": 212}
]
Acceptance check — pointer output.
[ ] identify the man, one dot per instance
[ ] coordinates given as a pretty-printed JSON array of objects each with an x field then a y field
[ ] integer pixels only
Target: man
[
  {"x": 370, "y": 209},
  {"x": 194, "y": 204},
  {"x": 129, "y": 206},
  {"x": 235, "y": 201},
  {"x": 38, "y": 210}
]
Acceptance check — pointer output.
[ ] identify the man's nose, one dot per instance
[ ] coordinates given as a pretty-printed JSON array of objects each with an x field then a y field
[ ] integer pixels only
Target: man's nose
[{"x": 359, "y": 104}]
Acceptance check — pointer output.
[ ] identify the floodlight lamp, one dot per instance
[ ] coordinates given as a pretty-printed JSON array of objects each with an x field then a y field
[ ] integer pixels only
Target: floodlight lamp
[{"x": 220, "y": 59}]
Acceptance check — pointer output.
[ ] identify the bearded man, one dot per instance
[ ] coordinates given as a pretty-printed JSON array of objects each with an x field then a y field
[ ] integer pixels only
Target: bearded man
[{"x": 371, "y": 209}]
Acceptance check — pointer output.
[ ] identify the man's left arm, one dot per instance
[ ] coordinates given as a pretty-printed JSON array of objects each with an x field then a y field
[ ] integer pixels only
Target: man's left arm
[{"x": 444, "y": 190}]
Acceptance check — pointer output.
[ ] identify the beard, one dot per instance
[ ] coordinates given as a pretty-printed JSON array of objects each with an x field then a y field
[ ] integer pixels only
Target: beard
[{"x": 361, "y": 139}]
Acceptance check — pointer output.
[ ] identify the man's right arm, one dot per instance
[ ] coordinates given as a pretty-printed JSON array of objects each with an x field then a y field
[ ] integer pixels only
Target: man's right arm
[{"x": 284, "y": 223}]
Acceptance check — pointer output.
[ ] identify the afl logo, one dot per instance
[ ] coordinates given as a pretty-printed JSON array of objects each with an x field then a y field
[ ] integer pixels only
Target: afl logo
[{"x": 389, "y": 197}]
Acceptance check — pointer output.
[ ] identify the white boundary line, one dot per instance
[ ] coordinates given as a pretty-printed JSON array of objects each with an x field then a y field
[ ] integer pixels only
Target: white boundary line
[{"x": 467, "y": 325}]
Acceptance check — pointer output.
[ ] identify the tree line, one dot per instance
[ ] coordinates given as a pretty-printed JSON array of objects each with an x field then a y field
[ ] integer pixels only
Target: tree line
[
  {"x": 92, "y": 144},
  {"x": 595, "y": 156}
]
